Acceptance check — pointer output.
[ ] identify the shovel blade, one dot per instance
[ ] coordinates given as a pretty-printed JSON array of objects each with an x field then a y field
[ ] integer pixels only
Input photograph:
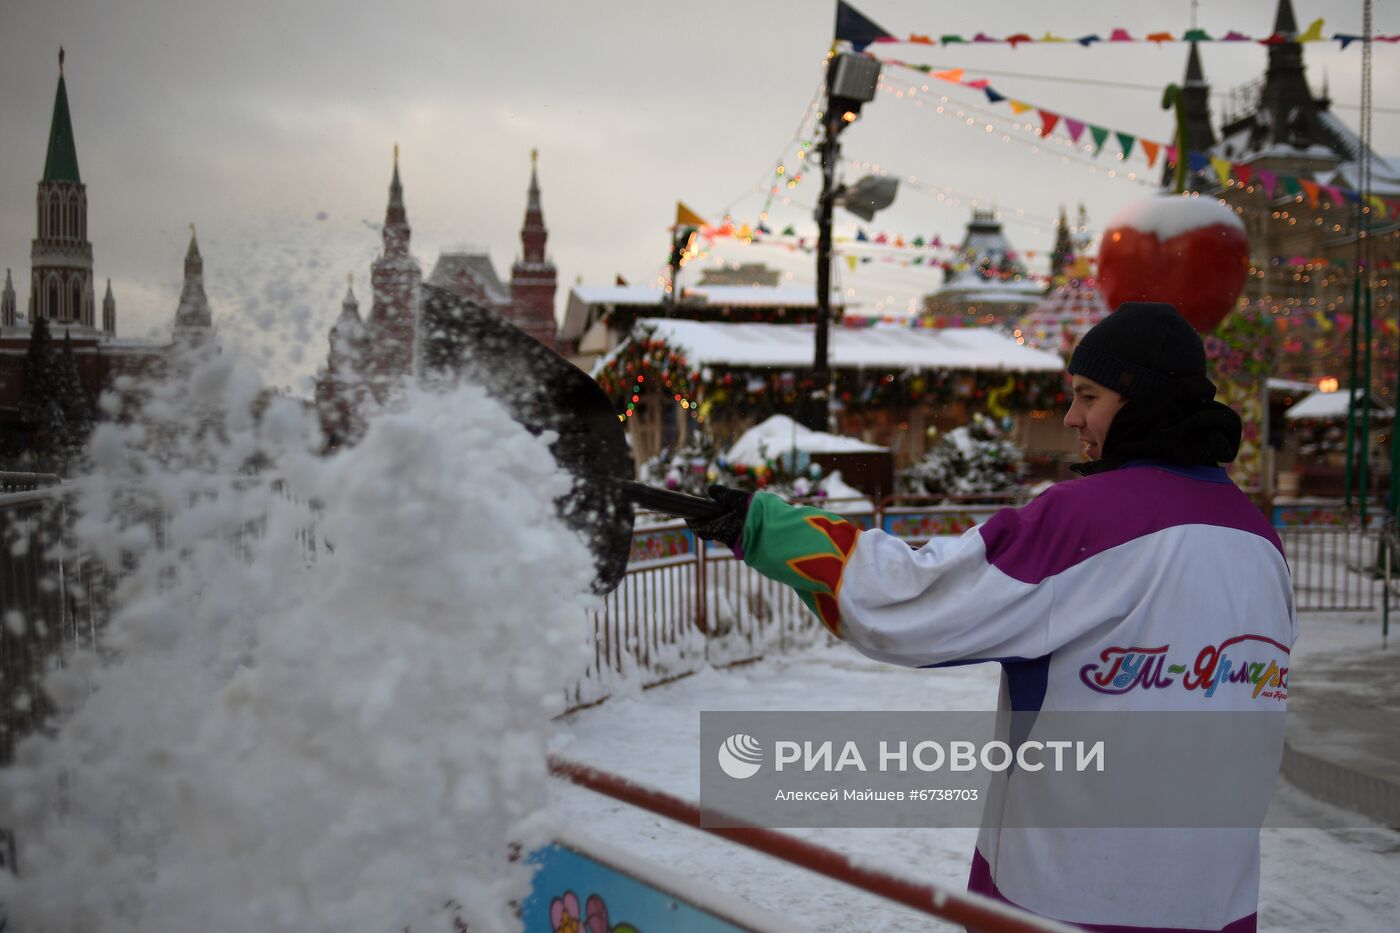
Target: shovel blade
[{"x": 461, "y": 339}]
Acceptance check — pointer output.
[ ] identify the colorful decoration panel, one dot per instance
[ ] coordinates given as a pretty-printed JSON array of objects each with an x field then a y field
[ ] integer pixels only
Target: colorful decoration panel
[
  {"x": 576, "y": 893},
  {"x": 919, "y": 526}
]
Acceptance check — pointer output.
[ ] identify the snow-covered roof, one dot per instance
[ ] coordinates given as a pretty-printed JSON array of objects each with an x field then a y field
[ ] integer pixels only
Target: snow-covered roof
[
  {"x": 1330, "y": 405},
  {"x": 1290, "y": 385},
  {"x": 1351, "y": 142},
  {"x": 996, "y": 291},
  {"x": 880, "y": 347},
  {"x": 787, "y": 296},
  {"x": 476, "y": 266},
  {"x": 780, "y": 434}
]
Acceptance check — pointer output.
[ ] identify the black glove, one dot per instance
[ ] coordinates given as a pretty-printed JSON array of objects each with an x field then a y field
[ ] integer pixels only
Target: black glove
[{"x": 728, "y": 528}]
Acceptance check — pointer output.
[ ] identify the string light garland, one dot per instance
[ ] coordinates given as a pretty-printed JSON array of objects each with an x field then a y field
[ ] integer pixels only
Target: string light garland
[{"x": 1129, "y": 143}]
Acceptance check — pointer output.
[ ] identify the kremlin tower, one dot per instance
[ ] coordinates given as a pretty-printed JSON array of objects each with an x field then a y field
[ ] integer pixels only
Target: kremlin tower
[
  {"x": 60, "y": 287},
  {"x": 394, "y": 280},
  {"x": 533, "y": 277}
]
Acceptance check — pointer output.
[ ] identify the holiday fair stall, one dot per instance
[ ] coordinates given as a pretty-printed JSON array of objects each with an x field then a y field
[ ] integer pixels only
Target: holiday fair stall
[{"x": 891, "y": 383}]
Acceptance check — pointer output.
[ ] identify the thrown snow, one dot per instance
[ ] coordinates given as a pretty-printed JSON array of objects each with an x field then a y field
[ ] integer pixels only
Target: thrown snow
[
  {"x": 312, "y": 722},
  {"x": 1170, "y": 215}
]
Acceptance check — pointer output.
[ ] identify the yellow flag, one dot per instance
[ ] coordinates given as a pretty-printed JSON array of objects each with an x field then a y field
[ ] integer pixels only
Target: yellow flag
[
  {"x": 1222, "y": 168},
  {"x": 1019, "y": 107},
  {"x": 1314, "y": 33},
  {"x": 851, "y": 262},
  {"x": 685, "y": 217}
]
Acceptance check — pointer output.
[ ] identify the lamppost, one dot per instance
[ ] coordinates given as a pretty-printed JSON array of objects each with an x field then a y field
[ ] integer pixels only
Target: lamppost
[{"x": 850, "y": 82}]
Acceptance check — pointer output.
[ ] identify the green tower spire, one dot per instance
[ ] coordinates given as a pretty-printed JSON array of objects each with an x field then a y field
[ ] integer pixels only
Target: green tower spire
[{"x": 62, "y": 161}]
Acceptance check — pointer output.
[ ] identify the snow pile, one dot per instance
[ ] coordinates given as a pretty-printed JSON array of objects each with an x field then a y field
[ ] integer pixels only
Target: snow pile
[
  {"x": 329, "y": 720},
  {"x": 780, "y": 434}
]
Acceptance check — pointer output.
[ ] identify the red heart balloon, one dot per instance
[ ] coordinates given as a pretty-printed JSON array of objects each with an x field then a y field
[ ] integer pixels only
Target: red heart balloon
[{"x": 1189, "y": 251}]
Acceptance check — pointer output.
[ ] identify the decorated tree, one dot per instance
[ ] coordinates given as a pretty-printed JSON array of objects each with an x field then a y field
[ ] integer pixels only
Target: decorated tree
[
  {"x": 975, "y": 459},
  {"x": 78, "y": 414},
  {"x": 1063, "y": 252},
  {"x": 41, "y": 406}
]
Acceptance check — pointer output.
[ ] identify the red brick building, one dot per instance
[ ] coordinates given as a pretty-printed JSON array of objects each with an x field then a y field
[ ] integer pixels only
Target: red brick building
[{"x": 367, "y": 358}]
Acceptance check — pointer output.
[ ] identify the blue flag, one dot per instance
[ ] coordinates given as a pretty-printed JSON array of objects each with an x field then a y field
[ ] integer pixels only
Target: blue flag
[{"x": 856, "y": 28}]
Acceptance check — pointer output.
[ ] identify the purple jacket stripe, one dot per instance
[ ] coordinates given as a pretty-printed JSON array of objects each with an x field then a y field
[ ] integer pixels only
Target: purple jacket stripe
[{"x": 1073, "y": 521}]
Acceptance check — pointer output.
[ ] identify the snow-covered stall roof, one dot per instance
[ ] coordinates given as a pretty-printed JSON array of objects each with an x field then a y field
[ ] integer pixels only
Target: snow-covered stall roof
[
  {"x": 992, "y": 291},
  {"x": 788, "y": 296},
  {"x": 1277, "y": 384},
  {"x": 780, "y": 434},
  {"x": 707, "y": 343},
  {"x": 1322, "y": 406}
]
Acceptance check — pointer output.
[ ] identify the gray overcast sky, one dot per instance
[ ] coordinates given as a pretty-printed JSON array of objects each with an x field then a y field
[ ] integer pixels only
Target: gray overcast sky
[{"x": 271, "y": 126}]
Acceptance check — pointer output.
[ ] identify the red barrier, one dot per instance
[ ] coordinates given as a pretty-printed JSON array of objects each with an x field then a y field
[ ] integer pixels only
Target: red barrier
[{"x": 970, "y": 910}]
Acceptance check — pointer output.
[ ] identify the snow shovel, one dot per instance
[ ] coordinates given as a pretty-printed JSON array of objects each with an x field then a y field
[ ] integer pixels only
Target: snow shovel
[{"x": 462, "y": 339}]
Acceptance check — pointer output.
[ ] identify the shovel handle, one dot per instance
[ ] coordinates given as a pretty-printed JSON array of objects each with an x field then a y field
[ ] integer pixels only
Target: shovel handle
[{"x": 672, "y": 503}]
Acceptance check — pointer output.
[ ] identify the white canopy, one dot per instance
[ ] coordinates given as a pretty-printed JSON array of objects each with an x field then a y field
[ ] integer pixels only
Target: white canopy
[
  {"x": 784, "y": 346},
  {"x": 1322, "y": 406},
  {"x": 779, "y": 434}
]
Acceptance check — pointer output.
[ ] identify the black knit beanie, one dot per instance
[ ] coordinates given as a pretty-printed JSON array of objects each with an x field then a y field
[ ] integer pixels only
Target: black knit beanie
[
  {"x": 1148, "y": 353},
  {"x": 1139, "y": 348}
]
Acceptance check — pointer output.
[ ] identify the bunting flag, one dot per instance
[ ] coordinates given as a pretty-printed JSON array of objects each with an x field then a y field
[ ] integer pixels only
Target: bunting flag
[
  {"x": 858, "y": 29},
  {"x": 953, "y": 75},
  {"x": 1075, "y": 128},
  {"x": 1244, "y": 173},
  {"x": 1100, "y": 135},
  {"x": 1150, "y": 149},
  {"x": 1309, "y": 188},
  {"x": 1047, "y": 122},
  {"x": 1019, "y": 107},
  {"x": 1267, "y": 179},
  {"x": 1125, "y": 142},
  {"x": 851, "y": 262},
  {"x": 1222, "y": 169},
  {"x": 685, "y": 217}
]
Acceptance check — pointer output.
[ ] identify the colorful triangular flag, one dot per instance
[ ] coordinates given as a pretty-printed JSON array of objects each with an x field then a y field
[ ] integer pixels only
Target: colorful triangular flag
[
  {"x": 855, "y": 27},
  {"x": 685, "y": 217},
  {"x": 1100, "y": 135}
]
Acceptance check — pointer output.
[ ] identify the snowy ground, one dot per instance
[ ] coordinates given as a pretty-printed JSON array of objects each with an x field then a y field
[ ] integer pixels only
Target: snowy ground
[{"x": 1312, "y": 879}]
